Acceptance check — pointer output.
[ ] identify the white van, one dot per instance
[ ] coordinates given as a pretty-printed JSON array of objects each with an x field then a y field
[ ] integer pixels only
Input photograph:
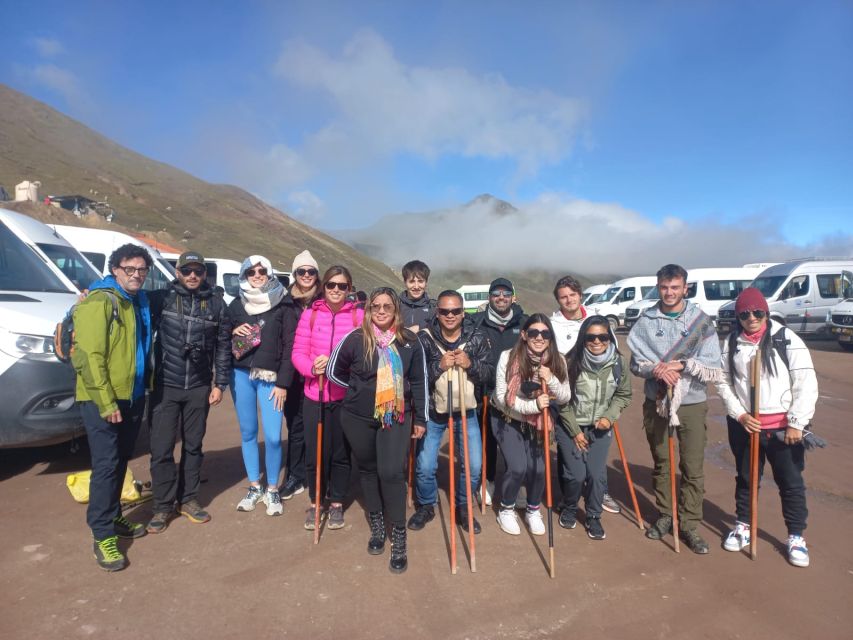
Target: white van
[
  {"x": 800, "y": 293},
  {"x": 98, "y": 244},
  {"x": 622, "y": 294},
  {"x": 37, "y": 404},
  {"x": 474, "y": 296},
  {"x": 840, "y": 319},
  {"x": 710, "y": 288},
  {"x": 593, "y": 293}
]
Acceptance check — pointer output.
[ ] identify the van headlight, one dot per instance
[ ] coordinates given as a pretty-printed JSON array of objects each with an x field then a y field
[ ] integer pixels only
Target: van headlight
[{"x": 25, "y": 345}]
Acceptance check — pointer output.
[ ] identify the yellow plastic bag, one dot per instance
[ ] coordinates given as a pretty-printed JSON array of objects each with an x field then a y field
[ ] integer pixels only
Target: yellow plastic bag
[{"x": 78, "y": 485}]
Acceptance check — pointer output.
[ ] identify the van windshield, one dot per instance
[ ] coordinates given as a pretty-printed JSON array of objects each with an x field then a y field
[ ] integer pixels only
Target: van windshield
[
  {"x": 21, "y": 269},
  {"x": 71, "y": 263},
  {"x": 652, "y": 294},
  {"x": 768, "y": 285},
  {"x": 608, "y": 295}
]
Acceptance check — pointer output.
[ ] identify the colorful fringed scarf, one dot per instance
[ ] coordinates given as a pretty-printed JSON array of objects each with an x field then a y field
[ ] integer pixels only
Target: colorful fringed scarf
[
  {"x": 513, "y": 388},
  {"x": 389, "y": 380}
]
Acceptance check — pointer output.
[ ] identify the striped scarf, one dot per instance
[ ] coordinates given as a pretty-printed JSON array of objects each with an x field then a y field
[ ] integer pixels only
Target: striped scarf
[{"x": 389, "y": 380}]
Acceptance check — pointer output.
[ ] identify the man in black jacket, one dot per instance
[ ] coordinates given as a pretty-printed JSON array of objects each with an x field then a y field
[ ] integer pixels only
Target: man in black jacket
[
  {"x": 192, "y": 346},
  {"x": 415, "y": 304}
]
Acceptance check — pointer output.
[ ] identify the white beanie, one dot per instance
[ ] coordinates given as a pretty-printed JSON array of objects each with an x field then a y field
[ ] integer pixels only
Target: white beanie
[{"x": 304, "y": 259}]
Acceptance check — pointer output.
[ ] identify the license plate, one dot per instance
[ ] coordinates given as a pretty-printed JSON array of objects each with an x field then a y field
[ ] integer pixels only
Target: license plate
[{"x": 842, "y": 331}]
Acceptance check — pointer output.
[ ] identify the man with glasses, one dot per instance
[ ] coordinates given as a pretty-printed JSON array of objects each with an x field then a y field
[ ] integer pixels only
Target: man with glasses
[
  {"x": 192, "y": 348},
  {"x": 451, "y": 343},
  {"x": 112, "y": 343},
  {"x": 674, "y": 346}
]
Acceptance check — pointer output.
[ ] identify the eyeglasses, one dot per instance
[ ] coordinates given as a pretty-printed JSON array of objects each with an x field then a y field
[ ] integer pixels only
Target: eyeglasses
[
  {"x": 603, "y": 338},
  {"x": 450, "y": 312},
  {"x": 188, "y": 271},
  {"x": 261, "y": 271},
  {"x": 143, "y": 271},
  {"x": 758, "y": 314},
  {"x": 342, "y": 286},
  {"x": 503, "y": 293},
  {"x": 306, "y": 272},
  {"x": 387, "y": 307},
  {"x": 535, "y": 333}
]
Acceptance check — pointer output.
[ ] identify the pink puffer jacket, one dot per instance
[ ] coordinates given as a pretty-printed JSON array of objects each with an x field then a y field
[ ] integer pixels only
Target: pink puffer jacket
[{"x": 328, "y": 330}]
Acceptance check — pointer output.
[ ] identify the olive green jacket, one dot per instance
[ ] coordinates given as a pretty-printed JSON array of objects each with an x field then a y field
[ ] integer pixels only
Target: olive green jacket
[{"x": 597, "y": 396}]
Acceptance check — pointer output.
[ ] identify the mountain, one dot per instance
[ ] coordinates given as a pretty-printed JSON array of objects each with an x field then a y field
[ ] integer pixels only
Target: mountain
[{"x": 38, "y": 143}]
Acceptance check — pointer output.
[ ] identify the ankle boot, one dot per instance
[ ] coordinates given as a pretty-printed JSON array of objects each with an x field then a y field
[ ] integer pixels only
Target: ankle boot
[
  {"x": 376, "y": 544},
  {"x": 398, "y": 562}
]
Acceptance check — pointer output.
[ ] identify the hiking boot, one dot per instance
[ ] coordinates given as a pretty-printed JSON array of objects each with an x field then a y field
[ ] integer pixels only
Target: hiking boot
[
  {"x": 336, "y": 517},
  {"x": 194, "y": 512},
  {"x": 292, "y": 488},
  {"x": 533, "y": 517},
  {"x": 462, "y": 519},
  {"x": 798, "y": 553},
  {"x": 568, "y": 520},
  {"x": 508, "y": 521},
  {"x": 309, "y": 517},
  {"x": 399, "y": 562},
  {"x": 159, "y": 521},
  {"x": 738, "y": 538},
  {"x": 594, "y": 529},
  {"x": 694, "y": 541},
  {"x": 126, "y": 529},
  {"x": 420, "y": 518},
  {"x": 108, "y": 555},
  {"x": 376, "y": 544},
  {"x": 272, "y": 499},
  {"x": 253, "y": 497},
  {"x": 610, "y": 505},
  {"x": 660, "y": 528}
]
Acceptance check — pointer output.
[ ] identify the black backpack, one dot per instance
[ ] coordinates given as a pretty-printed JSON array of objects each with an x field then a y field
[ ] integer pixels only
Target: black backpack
[{"x": 63, "y": 335}]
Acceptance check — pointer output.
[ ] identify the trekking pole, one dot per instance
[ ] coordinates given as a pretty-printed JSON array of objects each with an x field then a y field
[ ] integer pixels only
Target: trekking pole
[
  {"x": 319, "y": 471},
  {"x": 411, "y": 469},
  {"x": 450, "y": 456},
  {"x": 483, "y": 469},
  {"x": 461, "y": 387},
  {"x": 672, "y": 492},
  {"x": 546, "y": 451},
  {"x": 628, "y": 475},
  {"x": 754, "y": 445}
]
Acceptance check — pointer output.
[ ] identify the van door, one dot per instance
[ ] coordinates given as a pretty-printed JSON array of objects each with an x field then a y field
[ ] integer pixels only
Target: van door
[
  {"x": 795, "y": 302},
  {"x": 830, "y": 291}
]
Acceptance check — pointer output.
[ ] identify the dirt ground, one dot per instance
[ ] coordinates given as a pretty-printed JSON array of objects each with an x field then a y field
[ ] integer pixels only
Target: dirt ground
[{"x": 250, "y": 575}]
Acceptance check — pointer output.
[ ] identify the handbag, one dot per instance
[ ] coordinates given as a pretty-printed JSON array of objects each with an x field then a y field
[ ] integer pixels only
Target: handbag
[{"x": 242, "y": 345}]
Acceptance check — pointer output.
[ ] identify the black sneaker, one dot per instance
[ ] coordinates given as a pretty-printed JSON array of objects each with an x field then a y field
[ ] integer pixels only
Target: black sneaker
[
  {"x": 108, "y": 555},
  {"x": 292, "y": 487},
  {"x": 568, "y": 520},
  {"x": 126, "y": 529},
  {"x": 194, "y": 511},
  {"x": 420, "y": 518},
  {"x": 694, "y": 541},
  {"x": 594, "y": 529},
  {"x": 462, "y": 520},
  {"x": 660, "y": 528},
  {"x": 159, "y": 522}
]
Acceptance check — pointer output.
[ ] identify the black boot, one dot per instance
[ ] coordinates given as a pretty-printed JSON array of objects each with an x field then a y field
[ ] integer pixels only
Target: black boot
[
  {"x": 399, "y": 562},
  {"x": 376, "y": 544}
]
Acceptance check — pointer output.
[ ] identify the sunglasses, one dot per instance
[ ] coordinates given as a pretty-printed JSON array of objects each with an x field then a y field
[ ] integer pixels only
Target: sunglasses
[
  {"x": 535, "y": 333},
  {"x": 604, "y": 338},
  {"x": 758, "y": 314},
  {"x": 188, "y": 271},
  {"x": 306, "y": 272},
  {"x": 450, "y": 312},
  {"x": 501, "y": 294},
  {"x": 386, "y": 307},
  {"x": 261, "y": 271},
  {"x": 143, "y": 271},
  {"x": 341, "y": 286}
]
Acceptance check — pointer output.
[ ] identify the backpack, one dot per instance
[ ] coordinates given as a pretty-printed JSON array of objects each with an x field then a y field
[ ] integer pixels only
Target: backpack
[{"x": 63, "y": 335}]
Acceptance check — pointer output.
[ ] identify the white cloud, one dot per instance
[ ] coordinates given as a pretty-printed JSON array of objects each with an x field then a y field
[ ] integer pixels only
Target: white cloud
[
  {"x": 265, "y": 171},
  {"x": 63, "y": 82},
  {"x": 306, "y": 206},
  {"x": 48, "y": 47}
]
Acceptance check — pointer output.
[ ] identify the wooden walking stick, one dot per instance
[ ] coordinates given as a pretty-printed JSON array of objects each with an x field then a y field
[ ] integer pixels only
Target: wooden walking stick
[
  {"x": 450, "y": 457},
  {"x": 546, "y": 451},
  {"x": 467, "y": 458},
  {"x": 318, "y": 476},
  {"x": 754, "y": 446},
  {"x": 628, "y": 475},
  {"x": 672, "y": 492},
  {"x": 483, "y": 466}
]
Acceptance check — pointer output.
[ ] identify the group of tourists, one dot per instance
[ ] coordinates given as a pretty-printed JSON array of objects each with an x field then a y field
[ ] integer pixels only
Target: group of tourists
[{"x": 391, "y": 373}]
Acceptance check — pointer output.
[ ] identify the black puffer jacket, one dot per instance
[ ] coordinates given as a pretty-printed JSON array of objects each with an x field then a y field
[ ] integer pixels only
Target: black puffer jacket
[
  {"x": 272, "y": 354},
  {"x": 292, "y": 310},
  {"x": 192, "y": 343},
  {"x": 418, "y": 312},
  {"x": 499, "y": 338}
]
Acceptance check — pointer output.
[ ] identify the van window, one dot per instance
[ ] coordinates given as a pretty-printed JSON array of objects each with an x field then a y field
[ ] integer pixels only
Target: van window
[
  {"x": 476, "y": 295},
  {"x": 283, "y": 279},
  {"x": 628, "y": 294},
  {"x": 645, "y": 291},
  {"x": 846, "y": 284},
  {"x": 97, "y": 259},
  {"x": 71, "y": 264},
  {"x": 692, "y": 287},
  {"x": 829, "y": 285},
  {"x": 610, "y": 294},
  {"x": 723, "y": 289},
  {"x": 231, "y": 284},
  {"x": 796, "y": 288},
  {"x": 212, "y": 268},
  {"x": 769, "y": 285},
  {"x": 21, "y": 269},
  {"x": 156, "y": 278}
]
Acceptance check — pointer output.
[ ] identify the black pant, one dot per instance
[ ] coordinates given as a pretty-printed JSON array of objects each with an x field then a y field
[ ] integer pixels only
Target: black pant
[
  {"x": 787, "y": 463},
  {"x": 294, "y": 458},
  {"x": 336, "y": 451},
  {"x": 381, "y": 455},
  {"x": 111, "y": 447},
  {"x": 176, "y": 411},
  {"x": 490, "y": 463}
]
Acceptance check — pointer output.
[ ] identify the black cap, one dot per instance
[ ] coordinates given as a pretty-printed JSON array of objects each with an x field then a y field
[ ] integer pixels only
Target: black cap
[
  {"x": 501, "y": 283},
  {"x": 190, "y": 257}
]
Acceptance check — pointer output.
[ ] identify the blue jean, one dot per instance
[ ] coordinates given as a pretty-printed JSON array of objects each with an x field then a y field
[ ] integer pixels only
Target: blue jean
[
  {"x": 248, "y": 395},
  {"x": 426, "y": 487}
]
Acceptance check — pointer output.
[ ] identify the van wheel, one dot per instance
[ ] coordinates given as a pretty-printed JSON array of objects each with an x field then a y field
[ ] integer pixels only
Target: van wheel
[
  {"x": 614, "y": 322},
  {"x": 847, "y": 346}
]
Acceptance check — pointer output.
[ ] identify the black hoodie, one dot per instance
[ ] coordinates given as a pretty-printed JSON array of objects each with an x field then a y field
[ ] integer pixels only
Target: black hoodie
[
  {"x": 499, "y": 338},
  {"x": 416, "y": 312}
]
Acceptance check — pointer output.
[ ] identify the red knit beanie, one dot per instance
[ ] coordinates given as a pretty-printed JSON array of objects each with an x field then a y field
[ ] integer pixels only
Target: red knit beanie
[{"x": 751, "y": 299}]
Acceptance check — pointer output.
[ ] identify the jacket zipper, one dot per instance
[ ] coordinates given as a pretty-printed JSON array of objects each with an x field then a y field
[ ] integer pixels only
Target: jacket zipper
[
  {"x": 331, "y": 342},
  {"x": 187, "y": 341}
]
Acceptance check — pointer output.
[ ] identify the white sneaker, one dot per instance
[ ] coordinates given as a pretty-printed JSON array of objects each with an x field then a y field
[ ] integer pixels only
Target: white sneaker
[
  {"x": 253, "y": 497},
  {"x": 508, "y": 521},
  {"x": 490, "y": 490},
  {"x": 521, "y": 500},
  {"x": 738, "y": 538},
  {"x": 535, "y": 522},
  {"x": 798, "y": 553},
  {"x": 272, "y": 499}
]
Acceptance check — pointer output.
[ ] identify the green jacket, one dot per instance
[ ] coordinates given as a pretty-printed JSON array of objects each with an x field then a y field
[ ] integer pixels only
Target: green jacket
[
  {"x": 597, "y": 396},
  {"x": 105, "y": 351}
]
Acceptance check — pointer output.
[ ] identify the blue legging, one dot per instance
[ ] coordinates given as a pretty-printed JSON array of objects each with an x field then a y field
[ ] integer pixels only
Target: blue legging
[{"x": 248, "y": 395}]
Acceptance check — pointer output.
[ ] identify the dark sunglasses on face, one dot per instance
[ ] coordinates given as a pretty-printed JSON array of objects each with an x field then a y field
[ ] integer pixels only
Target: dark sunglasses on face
[
  {"x": 502, "y": 293},
  {"x": 604, "y": 338},
  {"x": 143, "y": 271},
  {"x": 387, "y": 307},
  {"x": 535, "y": 333},
  {"x": 259, "y": 271},
  {"x": 342, "y": 286},
  {"x": 188, "y": 271},
  {"x": 758, "y": 314},
  {"x": 306, "y": 272},
  {"x": 450, "y": 312}
]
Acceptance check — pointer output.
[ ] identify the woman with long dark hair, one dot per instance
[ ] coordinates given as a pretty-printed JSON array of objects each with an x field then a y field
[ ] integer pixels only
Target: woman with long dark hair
[
  {"x": 601, "y": 389},
  {"x": 520, "y": 401},
  {"x": 375, "y": 363}
]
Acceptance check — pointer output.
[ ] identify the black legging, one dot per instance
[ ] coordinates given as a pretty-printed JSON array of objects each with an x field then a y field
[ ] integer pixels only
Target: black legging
[
  {"x": 381, "y": 455},
  {"x": 294, "y": 459},
  {"x": 336, "y": 451}
]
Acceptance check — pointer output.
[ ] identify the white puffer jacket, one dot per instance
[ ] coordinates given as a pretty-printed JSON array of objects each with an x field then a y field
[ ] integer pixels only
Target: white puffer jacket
[{"x": 792, "y": 390}]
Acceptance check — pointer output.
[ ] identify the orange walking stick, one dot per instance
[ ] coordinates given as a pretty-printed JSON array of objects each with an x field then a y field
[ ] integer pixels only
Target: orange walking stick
[
  {"x": 754, "y": 446},
  {"x": 411, "y": 470},
  {"x": 672, "y": 492},
  {"x": 546, "y": 451},
  {"x": 467, "y": 459},
  {"x": 451, "y": 455},
  {"x": 628, "y": 475},
  {"x": 483, "y": 466},
  {"x": 319, "y": 471}
]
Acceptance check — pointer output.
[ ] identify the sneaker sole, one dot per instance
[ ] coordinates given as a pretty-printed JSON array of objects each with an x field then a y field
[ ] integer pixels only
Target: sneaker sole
[
  {"x": 275, "y": 513},
  {"x": 133, "y": 536},
  {"x": 739, "y": 547},
  {"x": 110, "y": 569},
  {"x": 246, "y": 509},
  {"x": 155, "y": 531},
  {"x": 295, "y": 493},
  {"x": 798, "y": 563},
  {"x": 193, "y": 519},
  {"x": 592, "y": 537},
  {"x": 336, "y": 525},
  {"x": 512, "y": 533},
  {"x": 536, "y": 533},
  {"x": 612, "y": 509},
  {"x": 569, "y": 526},
  {"x": 309, "y": 526}
]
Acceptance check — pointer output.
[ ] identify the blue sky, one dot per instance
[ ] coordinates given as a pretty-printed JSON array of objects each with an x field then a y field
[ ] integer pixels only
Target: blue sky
[{"x": 709, "y": 112}]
